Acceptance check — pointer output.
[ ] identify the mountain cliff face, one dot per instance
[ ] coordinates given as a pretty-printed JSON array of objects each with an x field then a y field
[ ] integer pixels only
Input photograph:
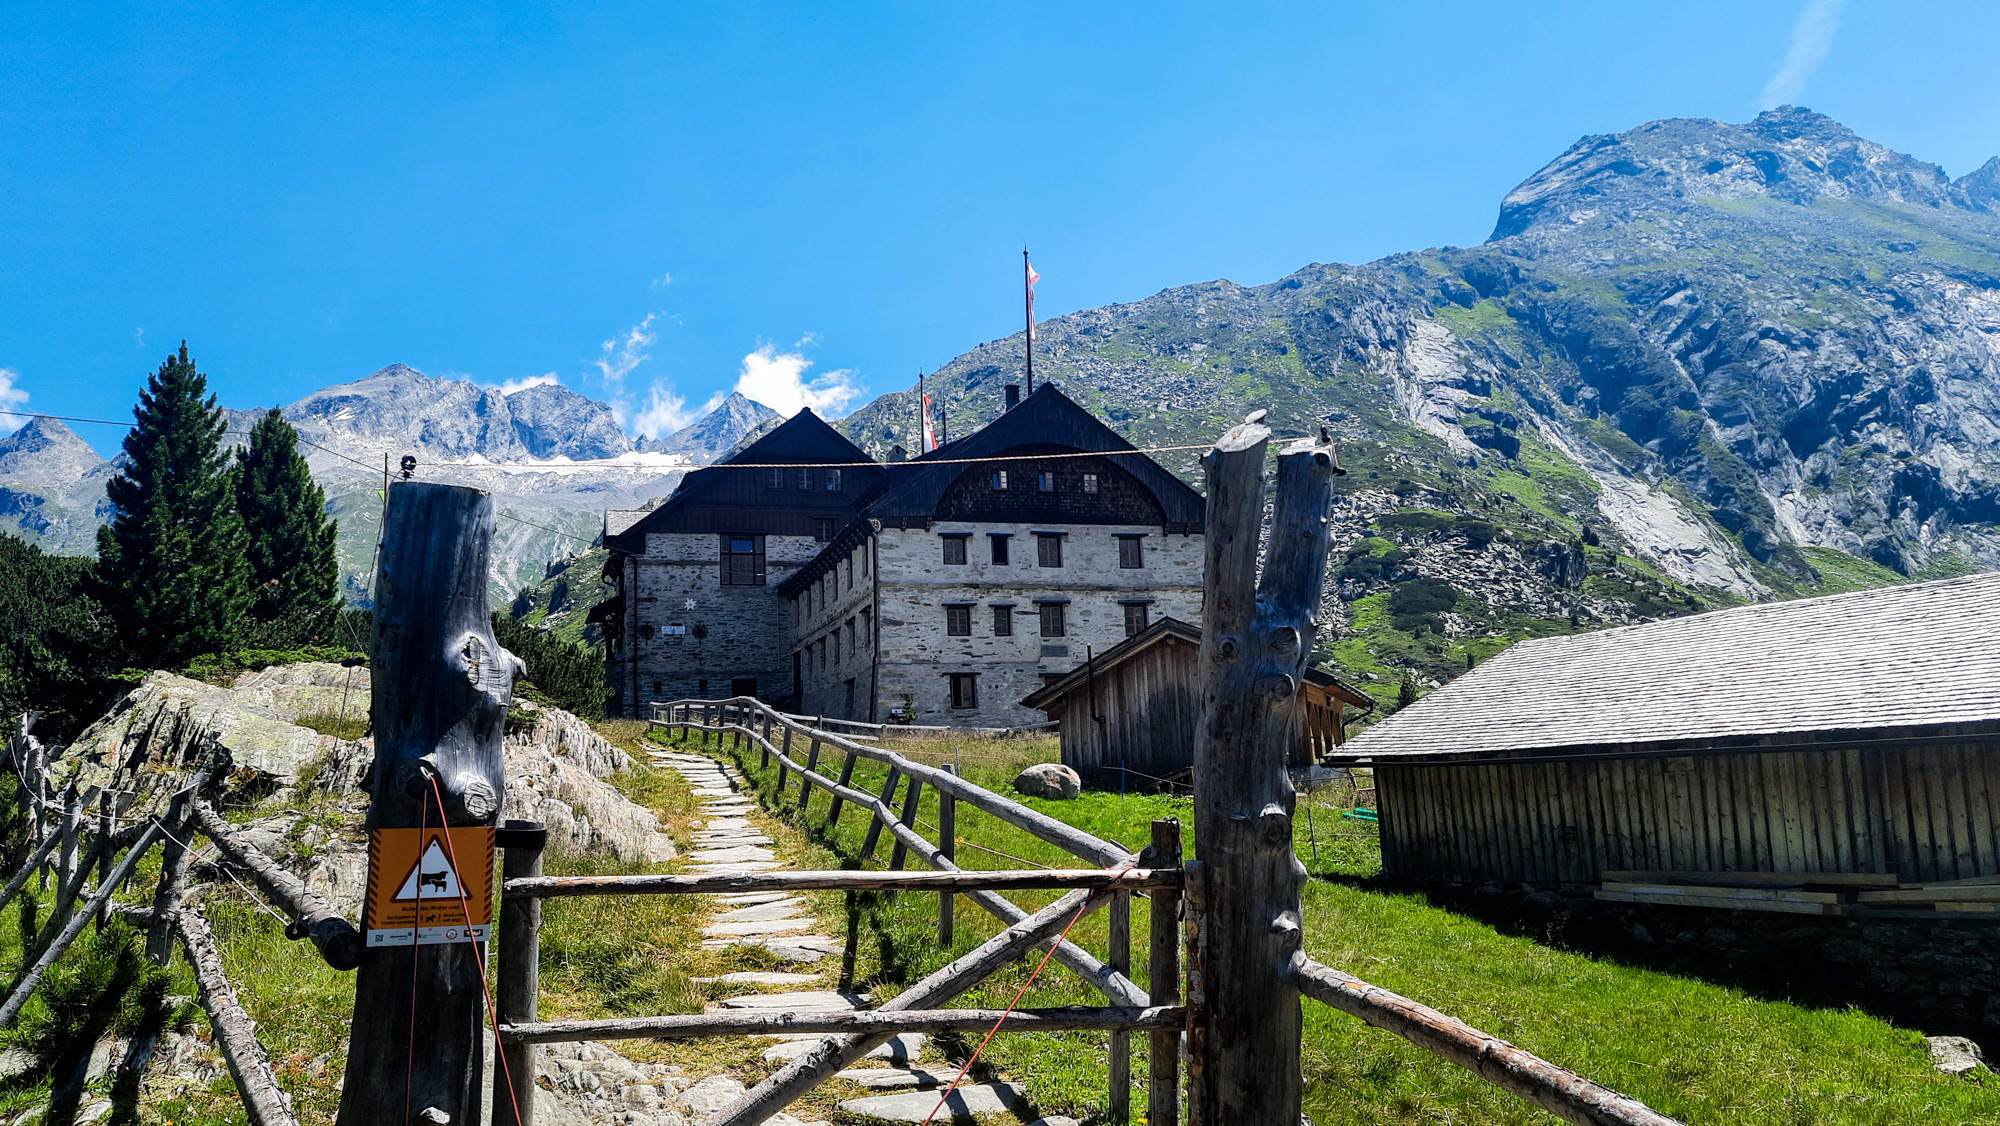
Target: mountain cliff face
[{"x": 1696, "y": 363}]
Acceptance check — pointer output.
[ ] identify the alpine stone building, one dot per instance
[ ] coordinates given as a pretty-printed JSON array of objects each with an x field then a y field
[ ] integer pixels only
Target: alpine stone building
[{"x": 950, "y": 585}]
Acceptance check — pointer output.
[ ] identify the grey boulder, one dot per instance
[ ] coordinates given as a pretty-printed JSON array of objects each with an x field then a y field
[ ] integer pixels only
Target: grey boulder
[{"x": 1048, "y": 780}]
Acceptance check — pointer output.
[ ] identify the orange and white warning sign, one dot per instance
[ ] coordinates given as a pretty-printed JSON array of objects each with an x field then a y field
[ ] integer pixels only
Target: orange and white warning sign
[{"x": 416, "y": 895}]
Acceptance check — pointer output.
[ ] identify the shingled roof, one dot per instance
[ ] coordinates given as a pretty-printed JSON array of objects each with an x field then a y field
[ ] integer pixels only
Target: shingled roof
[{"x": 1868, "y": 664}]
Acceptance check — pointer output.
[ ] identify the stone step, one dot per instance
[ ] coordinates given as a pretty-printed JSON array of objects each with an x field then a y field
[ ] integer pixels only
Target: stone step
[
  {"x": 916, "y": 1106},
  {"x": 729, "y": 836},
  {"x": 758, "y": 926},
  {"x": 896, "y": 1078},
  {"x": 751, "y": 898},
  {"x": 746, "y": 868},
  {"x": 759, "y": 977},
  {"x": 806, "y": 1001},
  {"x": 900, "y": 1050},
  {"x": 776, "y": 909},
  {"x": 733, "y": 855}
]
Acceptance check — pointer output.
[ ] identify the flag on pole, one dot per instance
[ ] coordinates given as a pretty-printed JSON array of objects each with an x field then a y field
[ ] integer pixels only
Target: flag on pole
[
  {"x": 930, "y": 432},
  {"x": 1033, "y": 277}
]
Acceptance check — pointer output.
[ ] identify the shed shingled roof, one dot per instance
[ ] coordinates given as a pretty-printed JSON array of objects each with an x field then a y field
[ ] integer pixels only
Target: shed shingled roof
[{"x": 1913, "y": 656}]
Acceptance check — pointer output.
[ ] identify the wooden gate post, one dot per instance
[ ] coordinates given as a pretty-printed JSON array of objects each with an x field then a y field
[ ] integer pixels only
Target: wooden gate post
[
  {"x": 1163, "y": 981},
  {"x": 519, "y": 971},
  {"x": 441, "y": 686},
  {"x": 1244, "y": 1030}
]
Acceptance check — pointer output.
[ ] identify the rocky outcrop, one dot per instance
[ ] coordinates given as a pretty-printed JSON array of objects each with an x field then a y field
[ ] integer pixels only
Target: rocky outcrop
[
  {"x": 709, "y": 438},
  {"x": 1048, "y": 780},
  {"x": 46, "y": 452}
]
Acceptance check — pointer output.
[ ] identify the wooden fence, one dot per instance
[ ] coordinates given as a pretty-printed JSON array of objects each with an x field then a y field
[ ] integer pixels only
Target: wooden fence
[{"x": 798, "y": 749}]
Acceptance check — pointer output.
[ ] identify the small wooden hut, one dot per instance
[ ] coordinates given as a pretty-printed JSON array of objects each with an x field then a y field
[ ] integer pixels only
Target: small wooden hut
[
  {"x": 1133, "y": 708},
  {"x": 1853, "y": 733}
]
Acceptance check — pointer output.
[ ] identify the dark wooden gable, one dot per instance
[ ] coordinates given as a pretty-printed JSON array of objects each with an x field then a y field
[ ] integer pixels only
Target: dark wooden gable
[
  {"x": 1047, "y": 421},
  {"x": 738, "y": 496}
]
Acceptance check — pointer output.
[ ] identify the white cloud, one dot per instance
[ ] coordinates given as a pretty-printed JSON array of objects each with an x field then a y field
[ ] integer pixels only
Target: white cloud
[
  {"x": 666, "y": 412},
  {"x": 777, "y": 380},
  {"x": 12, "y": 398},
  {"x": 620, "y": 354},
  {"x": 1812, "y": 36},
  {"x": 663, "y": 281},
  {"x": 525, "y": 382}
]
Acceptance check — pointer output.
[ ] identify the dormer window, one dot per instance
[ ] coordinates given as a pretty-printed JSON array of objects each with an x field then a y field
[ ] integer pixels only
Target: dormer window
[
  {"x": 805, "y": 480},
  {"x": 999, "y": 479}
]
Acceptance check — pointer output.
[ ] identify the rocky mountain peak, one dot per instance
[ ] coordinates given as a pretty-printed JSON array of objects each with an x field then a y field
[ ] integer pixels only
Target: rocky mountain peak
[
  {"x": 711, "y": 437},
  {"x": 1790, "y": 153},
  {"x": 551, "y": 420},
  {"x": 46, "y": 452}
]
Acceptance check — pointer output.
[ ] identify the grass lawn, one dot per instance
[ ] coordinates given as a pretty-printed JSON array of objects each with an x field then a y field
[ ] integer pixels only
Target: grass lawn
[{"x": 1701, "y": 1052}]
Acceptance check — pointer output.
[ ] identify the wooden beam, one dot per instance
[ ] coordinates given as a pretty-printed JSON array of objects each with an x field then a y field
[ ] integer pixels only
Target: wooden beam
[
  {"x": 518, "y": 976},
  {"x": 441, "y": 688},
  {"x": 235, "y": 1034},
  {"x": 954, "y": 879},
  {"x": 1558, "y": 1090},
  {"x": 24, "y": 986},
  {"x": 336, "y": 939},
  {"x": 1067, "y": 1019},
  {"x": 1258, "y": 632}
]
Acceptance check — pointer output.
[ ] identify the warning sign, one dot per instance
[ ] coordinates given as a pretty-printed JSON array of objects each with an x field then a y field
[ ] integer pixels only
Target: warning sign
[{"x": 417, "y": 895}]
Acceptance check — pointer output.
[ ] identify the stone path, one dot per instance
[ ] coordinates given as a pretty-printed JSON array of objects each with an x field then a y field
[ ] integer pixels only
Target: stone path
[{"x": 730, "y": 840}]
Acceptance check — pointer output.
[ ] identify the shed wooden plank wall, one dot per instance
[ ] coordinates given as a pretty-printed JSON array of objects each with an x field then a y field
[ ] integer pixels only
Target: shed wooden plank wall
[
  {"x": 1923, "y": 813},
  {"x": 1150, "y": 706}
]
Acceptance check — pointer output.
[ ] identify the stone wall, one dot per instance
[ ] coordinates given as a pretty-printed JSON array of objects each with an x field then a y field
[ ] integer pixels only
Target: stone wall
[
  {"x": 831, "y": 654},
  {"x": 727, "y": 632},
  {"x": 916, "y": 585}
]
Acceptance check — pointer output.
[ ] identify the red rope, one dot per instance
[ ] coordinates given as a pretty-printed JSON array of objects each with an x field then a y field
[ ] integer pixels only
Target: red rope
[
  {"x": 1014, "y": 1004},
  {"x": 478, "y": 956}
]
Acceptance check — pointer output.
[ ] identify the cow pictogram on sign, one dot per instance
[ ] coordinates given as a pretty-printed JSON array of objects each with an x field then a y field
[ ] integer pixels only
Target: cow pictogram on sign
[{"x": 417, "y": 895}]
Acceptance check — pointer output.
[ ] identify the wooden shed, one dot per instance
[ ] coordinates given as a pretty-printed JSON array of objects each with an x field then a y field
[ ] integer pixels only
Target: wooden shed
[
  {"x": 1853, "y": 733},
  {"x": 1133, "y": 708}
]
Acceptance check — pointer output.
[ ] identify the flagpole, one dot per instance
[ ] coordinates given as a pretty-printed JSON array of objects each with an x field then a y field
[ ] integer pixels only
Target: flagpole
[
  {"x": 923, "y": 415},
  {"x": 1028, "y": 315}
]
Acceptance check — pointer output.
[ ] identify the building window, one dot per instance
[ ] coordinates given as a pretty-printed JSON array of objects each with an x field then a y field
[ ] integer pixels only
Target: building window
[
  {"x": 964, "y": 690},
  {"x": 743, "y": 561},
  {"x": 1003, "y": 621},
  {"x": 867, "y": 625},
  {"x": 656, "y": 688},
  {"x": 999, "y": 548},
  {"x": 1048, "y": 550},
  {"x": 958, "y": 621},
  {"x": 835, "y": 635},
  {"x": 954, "y": 549},
  {"x": 822, "y": 654},
  {"x": 833, "y": 484},
  {"x": 1090, "y": 482},
  {"x": 1052, "y": 619},
  {"x": 851, "y": 646},
  {"x": 1135, "y": 618},
  {"x": 805, "y": 479},
  {"x": 822, "y": 527},
  {"x": 850, "y": 571},
  {"x": 1046, "y": 482},
  {"x": 776, "y": 480},
  {"x": 1130, "y": 551},
  {"x": 999, "y": 479}
]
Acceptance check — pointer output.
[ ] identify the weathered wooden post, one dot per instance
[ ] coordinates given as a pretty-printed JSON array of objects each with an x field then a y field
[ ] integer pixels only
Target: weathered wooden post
[
  {"x": 846, "y": 777},
  {"x": 948, "y": 848},
  {"x": 518, "y": 975},
  {"x": 1163, "y": 981},
  {"x": 1244, "y": 1030},
  {"x": 875, "y": 825},
  {"x": 1119, "y": 958},
  {"x": 441, "y": 685},
  {"x": 812, "y": 767},
  {"x": 912, "y": 795}
]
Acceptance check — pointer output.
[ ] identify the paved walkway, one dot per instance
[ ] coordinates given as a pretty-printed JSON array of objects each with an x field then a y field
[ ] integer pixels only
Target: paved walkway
[{"x": 731, "y": 839}]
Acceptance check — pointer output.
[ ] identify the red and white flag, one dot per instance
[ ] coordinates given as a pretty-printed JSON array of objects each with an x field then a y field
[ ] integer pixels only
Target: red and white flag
[{"x": 930, "y": 432}]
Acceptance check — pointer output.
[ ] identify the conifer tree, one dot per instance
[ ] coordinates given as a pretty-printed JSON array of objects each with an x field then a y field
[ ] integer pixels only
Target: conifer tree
[
  {"x": 294, "y": 576},
  {"x": 1406, "y": 694},
  {"x": 171, "y": 565}
]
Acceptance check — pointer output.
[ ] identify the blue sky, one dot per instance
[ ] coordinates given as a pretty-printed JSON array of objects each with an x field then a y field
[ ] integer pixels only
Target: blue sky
[{"x": 654, "y": 203}]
